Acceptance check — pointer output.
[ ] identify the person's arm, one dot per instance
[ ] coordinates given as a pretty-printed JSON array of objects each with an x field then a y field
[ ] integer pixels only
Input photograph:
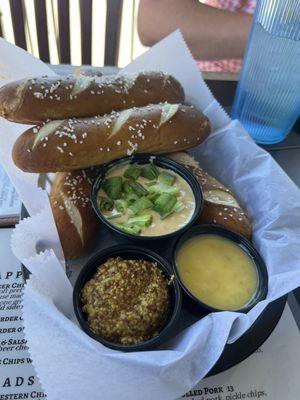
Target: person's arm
[{"x": 210, "y": 33}]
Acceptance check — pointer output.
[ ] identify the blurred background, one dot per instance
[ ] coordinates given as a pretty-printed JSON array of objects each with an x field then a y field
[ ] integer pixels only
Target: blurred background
[{"x": 99, "y": 32}]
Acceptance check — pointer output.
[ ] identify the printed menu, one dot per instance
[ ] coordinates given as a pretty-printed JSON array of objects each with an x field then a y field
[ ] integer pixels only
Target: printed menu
[
  {"x": 271, "y": 373},
  {"x": 17, "y": 376}
]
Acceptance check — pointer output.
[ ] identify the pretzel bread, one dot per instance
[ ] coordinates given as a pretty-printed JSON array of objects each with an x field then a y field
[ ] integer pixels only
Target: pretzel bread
[
  {"x": 73, "y": 213},
  {"x": 81, "y": 143},
  {"x": 220, "y": 204},
  {"x": 35, "y": 100}
]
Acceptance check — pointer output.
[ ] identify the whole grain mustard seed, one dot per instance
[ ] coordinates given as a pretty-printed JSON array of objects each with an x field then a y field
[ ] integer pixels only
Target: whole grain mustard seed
[{"x": 126, "y": 301}]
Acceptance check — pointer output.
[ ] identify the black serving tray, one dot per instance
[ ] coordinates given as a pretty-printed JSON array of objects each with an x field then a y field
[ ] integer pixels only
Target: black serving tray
[{"x": 233, "y": 353}]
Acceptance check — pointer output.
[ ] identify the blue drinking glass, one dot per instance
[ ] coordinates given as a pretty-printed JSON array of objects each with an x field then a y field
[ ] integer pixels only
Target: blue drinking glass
[{"x": 267, "y": 101}]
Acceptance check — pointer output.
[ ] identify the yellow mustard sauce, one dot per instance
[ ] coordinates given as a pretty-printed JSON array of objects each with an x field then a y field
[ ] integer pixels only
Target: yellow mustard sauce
[
  {"x": 158, "y": 227},
  {"x": 217, "y": 272}
]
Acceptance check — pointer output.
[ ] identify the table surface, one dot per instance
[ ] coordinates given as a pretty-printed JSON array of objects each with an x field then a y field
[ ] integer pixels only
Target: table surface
[{"x": 286, "y": 153}]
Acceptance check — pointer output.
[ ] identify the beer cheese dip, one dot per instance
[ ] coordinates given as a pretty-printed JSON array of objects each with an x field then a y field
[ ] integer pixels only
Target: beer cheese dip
[
  {"x": 217, "y": 272},
  {"x": 146, "y": 200}
]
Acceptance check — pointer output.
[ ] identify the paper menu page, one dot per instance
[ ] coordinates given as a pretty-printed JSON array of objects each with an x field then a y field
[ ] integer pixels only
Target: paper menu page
[
  {"x": 10, "y": 204},
  {"x": 17, "y": 376},
  {"x": 271, "y": 373}
]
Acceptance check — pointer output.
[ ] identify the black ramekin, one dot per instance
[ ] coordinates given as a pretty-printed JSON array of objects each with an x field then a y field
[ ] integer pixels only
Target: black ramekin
[
  {"x": 246, "y": 245},
  {"x": 159, "y": 161},
  {"x": 136, "y": 253}
]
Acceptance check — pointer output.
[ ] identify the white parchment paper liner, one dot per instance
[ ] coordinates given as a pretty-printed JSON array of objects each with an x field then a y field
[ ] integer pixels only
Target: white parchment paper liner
[{"x": 69, "y": 364}]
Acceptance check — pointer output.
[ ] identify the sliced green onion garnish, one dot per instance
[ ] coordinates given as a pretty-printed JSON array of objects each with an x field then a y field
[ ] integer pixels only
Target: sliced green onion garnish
[
  {"x": 166, "y": 179},
  {"x": 141, "y": 220},
  {"x": 130, "y": 198},
  {"x": 113, "y": 216},
  {"x": 132, "y": 172},
  {"x": 179, "y": 206},
  {"x": 141, "y": 204},
  {"x": 151, "y": 183},
  {"x": 149, "y": 171},
  {"x": 153, "y": 196},
  {"x": 164, "y": 203},
  {"x": 113, "y": 187},
  {"x": 105, "y": 203},
  {"x": 121, "y": 205},
  {"x": 133, "y": 229},
  {"x": 134, "y": 187},
  {"x": 160, "y": 188}
]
